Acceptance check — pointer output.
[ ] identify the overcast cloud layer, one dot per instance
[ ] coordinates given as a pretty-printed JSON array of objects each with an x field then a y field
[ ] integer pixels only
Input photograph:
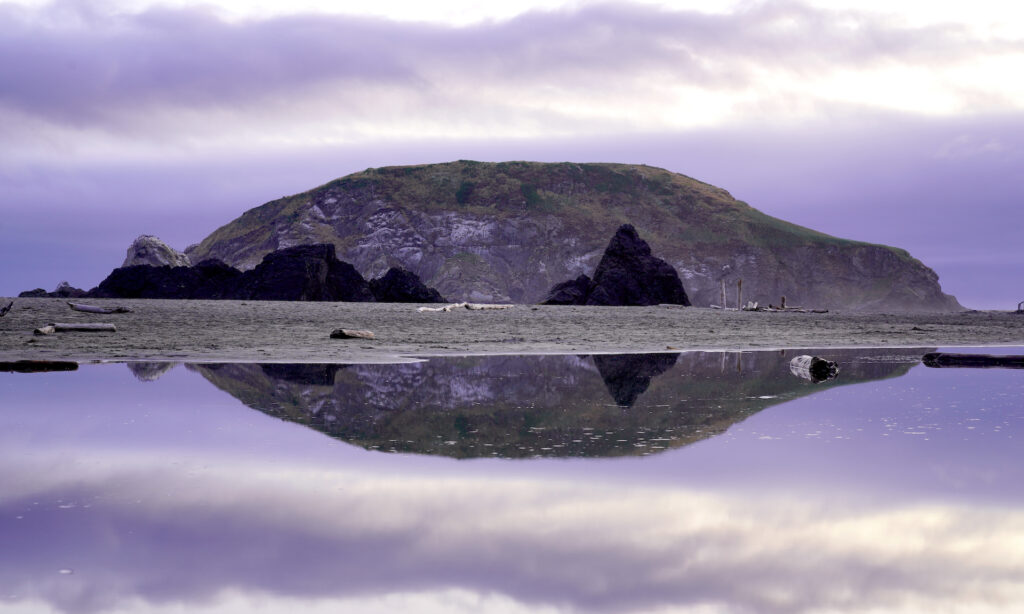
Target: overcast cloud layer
[
  {"x": 173, "y": 121},
  {"x": 187, "y": 77}
]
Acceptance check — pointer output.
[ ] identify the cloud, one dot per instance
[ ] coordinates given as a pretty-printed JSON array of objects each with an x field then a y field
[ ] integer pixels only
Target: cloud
[
  {"x": 969, "y": 146},
  {"x": 185, "y": 75}
]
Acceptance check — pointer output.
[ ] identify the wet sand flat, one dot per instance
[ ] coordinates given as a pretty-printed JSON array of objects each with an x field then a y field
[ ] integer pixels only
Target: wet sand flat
[{"x": 272, "y": 331}]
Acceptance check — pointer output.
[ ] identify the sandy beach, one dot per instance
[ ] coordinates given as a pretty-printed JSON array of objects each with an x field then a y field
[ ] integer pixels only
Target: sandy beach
[{"x": 248, "y": 331}]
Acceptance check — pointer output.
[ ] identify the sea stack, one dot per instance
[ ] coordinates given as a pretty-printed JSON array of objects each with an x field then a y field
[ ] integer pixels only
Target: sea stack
[{"x": 627, "y": 275}]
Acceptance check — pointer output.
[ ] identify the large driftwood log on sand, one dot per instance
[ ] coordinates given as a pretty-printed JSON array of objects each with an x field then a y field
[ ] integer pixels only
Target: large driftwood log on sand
[
  {"x": 474, "y": 306},
  {"x": 976, "y": 361},
  {"x": 813, "y": 368},
  {"x": 76, "y": 327},
  {"x": 349, "y": 333},
  {"x": 96, "y": 309}
]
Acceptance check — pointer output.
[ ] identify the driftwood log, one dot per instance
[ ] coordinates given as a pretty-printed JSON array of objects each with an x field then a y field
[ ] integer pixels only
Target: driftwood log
[
  {"x": 473, "y": 306},
  {"x": 813, "y": 368},
  {"x": 96, "y": 309},
  {"x": 37, "y": 366},
  {"x": 349, "y": 333},
  {"x": 974, "y": 361},
  {"x": 797, "y": 310},
  {"x": 76, "y": 327},
  {"x": 6, "y": 308}
]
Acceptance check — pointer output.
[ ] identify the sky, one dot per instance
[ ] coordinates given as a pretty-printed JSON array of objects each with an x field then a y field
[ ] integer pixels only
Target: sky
[{"x": 890, "y": 122}]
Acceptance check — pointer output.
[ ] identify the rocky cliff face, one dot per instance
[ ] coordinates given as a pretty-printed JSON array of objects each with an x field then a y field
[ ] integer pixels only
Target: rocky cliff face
[{"x": 510, "y": 231}]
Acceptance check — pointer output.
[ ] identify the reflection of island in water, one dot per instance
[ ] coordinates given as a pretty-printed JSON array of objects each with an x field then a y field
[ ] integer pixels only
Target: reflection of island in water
[{"x": 525, "y": 406}]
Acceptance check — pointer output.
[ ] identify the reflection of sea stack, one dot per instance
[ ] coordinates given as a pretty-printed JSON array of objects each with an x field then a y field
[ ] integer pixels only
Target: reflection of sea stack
[
  {"x": 628, "y": 274},
  {"x": 311, "y": 374},
  {"x": 627, "y": 376},
  {"x": 150, "y": 371}
]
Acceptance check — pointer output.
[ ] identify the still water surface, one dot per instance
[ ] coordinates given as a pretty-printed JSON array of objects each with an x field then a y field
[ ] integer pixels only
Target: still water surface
[{"x": 698, "y": 482}]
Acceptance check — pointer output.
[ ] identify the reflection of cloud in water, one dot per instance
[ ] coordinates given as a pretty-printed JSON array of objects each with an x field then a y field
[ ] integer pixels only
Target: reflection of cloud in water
[{"x": 132, "y": 530}]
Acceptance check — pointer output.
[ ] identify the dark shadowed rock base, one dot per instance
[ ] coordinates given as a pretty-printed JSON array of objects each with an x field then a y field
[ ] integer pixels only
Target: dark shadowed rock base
[
  {"x": 304, "y": 273},
  {"x": 300, "y": 273},
  {"x": 63, "y": 290},
  {"x": 402, "y": 286},
  {"x": 572, "y": 292},
  {"x": 210, "y": 279}
]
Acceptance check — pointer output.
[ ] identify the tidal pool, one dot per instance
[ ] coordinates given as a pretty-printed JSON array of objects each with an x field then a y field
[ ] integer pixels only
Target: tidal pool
[{"x": 693, "y": 482}]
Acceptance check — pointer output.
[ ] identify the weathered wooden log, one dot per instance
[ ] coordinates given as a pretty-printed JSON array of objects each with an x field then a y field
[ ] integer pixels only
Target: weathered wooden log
[
  {"x": 6, "y": 308},
  {"x": 473, "y": 306},
  {"x": 37, "y": 366},
  {"x": 84, "y": 327},
  {"x": 794, "y": 310},
  {"x": 97, "y": 309},
  {"x": 972, "y": 361},
  {"x": 349, "y": 333},
  {"x": 813, "y": 368},
  {"x": 76, "y": 327}
]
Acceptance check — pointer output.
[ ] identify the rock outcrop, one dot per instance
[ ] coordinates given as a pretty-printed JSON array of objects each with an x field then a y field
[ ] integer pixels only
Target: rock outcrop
[
  {"x": 627, "y": 275},
  {"x": 210, "y": 279},
  {"x": 63, "y": 290},
  {"x": 150, "y": 250},
  {"x": 303, "y": 273},
  {"x": 401, "y": 286},
  {"x": 300, "y": 273},
  {"x": 507, "y": 232},
  {"x": 572, "y": 292}
]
